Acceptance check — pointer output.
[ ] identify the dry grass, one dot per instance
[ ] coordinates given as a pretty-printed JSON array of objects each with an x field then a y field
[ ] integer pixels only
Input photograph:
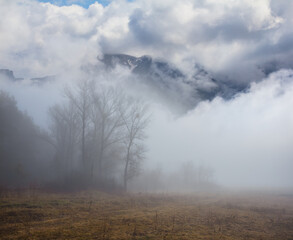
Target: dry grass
[{"x": 95, "y": 215}]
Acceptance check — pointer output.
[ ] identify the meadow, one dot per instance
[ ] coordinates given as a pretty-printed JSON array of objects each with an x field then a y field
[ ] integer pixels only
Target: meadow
[{"x": 34, "y": 214}]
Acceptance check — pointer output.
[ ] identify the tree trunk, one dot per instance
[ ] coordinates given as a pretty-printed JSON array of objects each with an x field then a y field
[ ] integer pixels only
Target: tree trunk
[
  {"x": 83, "y": 142},
  {"x": 126, "y": 166},
  {"x": 125, "y": 176},
  {"x": 101, "y": 152}
]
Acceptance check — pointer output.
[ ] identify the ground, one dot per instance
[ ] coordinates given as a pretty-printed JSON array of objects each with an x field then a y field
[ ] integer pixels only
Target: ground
[{"x": 95, "y": 215}]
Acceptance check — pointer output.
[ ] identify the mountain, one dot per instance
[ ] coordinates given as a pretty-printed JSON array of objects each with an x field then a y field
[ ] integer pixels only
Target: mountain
[
  {"x": 171, "y": 83},
  {"x": 161, "y": 80},
  {"x": 8, "y": 74}
]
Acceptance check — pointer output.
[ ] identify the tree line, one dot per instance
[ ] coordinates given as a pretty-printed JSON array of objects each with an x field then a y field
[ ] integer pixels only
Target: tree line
[{"x": 95, "y": 138}]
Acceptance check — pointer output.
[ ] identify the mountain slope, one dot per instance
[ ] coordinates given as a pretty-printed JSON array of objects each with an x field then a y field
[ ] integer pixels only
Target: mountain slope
[
  {"x": 161, "y": 80},
  {"x": 172, "y": 83}
]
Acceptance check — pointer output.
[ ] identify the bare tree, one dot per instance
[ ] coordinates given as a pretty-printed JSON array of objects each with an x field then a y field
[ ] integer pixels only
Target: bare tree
[
  {"x": 108, "y": 125},
  {"x": 135, "y": 121},
  {"x": 107, "y": 122},
  {"x": 80, "y": 97},
  {"x": 64, "y": 132}
]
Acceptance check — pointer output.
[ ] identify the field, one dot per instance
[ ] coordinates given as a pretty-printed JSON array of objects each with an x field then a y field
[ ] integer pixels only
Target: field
[{"x": 96, "y": 215}]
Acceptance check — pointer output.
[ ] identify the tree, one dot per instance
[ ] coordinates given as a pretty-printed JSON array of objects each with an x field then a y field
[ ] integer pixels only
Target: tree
[
  {"x": 108, "y": 125},
  {"x": 135, "y": 122},
  {"x": 64, "y": 133},
  {"x": 23, "y": 153},
  {"x": 80, "y": 98},
  {"x": 107, "y": 122}
]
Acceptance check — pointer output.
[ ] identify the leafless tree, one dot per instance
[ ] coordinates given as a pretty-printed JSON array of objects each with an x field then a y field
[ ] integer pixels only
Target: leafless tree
[
  {"x": 135, "y": 120},
  {"x": 80, "y": 98},
  {"x": 107, "y": 122},
  {"x": 64, "y": 133},
  {"x": 108, "y": 125}
]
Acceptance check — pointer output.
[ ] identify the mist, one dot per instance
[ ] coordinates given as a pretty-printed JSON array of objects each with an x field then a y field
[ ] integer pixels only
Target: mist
[
  {"x": 246, "y": 140},
  {"x": 243, "y": 142},
  {"x": 217, "y": 80}
]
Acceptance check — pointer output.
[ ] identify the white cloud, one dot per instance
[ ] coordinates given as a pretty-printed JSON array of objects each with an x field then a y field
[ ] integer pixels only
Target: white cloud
[
  {"x": 246, "y": 140},
  {"x": 221, "y": 35}
]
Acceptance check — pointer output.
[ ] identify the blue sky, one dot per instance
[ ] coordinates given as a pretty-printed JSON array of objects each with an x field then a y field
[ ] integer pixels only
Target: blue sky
[{"x": 83, "y": 3}]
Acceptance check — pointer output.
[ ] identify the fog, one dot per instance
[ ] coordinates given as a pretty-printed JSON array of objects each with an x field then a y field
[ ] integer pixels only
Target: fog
[
  {"x": 246, "y": 140},
  {"x": 223, "y": 121}
]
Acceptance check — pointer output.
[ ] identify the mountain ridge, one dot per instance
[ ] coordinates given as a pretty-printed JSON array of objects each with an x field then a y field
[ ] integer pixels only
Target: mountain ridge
[
  {"x": 170, "y": 80},
  {"x": 163, "y": 79}
]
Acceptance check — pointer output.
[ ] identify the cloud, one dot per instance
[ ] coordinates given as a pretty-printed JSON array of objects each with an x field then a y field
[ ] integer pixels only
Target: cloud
[
  {"x": 229, "y": 38},
  {"x": 83, "y": 3},
  {"x": 44, "y": 39},
  {"x": 245, "y": 140}
]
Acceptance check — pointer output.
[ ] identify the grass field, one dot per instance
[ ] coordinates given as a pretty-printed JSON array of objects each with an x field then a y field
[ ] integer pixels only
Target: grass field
[{"x": 96, "y": 215}]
